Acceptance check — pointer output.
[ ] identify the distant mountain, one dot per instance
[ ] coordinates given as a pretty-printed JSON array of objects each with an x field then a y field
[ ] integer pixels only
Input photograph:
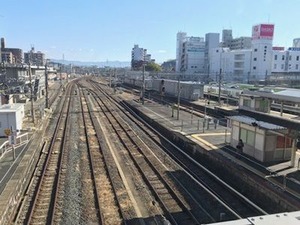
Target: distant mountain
[{"x": 98, "y": 64}]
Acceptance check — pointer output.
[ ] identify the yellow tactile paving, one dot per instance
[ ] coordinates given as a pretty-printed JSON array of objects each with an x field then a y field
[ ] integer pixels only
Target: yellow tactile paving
[{"x": 198, "y": 137}]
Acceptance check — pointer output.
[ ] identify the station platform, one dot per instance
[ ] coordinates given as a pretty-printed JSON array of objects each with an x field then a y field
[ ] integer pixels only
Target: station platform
[{"x": 208, "y": 134}]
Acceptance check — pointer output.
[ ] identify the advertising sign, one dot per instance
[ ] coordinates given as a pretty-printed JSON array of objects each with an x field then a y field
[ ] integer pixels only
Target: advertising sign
[
  {"x": 267, "y": 31},
  {"x": 255, "y": 32},
  {"x": 263, "y": 31}
]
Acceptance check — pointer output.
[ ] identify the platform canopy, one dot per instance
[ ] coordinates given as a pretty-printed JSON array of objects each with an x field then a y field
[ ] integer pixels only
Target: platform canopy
[{"x": 253, "y": 122}]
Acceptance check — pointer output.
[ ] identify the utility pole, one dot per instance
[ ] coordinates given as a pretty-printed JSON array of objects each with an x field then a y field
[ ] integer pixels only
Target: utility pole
[
  {"x": 115, "y": 78},
  {"x": 220, "y": 81},
  {"x": 178, "y": 97},
  {"x": 110, "y": 78},
  {"x": 60, "y": 75},
  {"x": 31, "y": 93},
  {"x": 143, "y": 83},
  {"x": 46, "y": 86},
  {"x": 70, "y": 73}
]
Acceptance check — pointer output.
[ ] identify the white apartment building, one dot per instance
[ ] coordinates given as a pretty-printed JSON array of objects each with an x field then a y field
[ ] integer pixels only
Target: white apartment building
[
  {"x": 261, "y": 61},
  {"x": 189, "y": 54},
  {"x": 286, "y": 61},
  {"x": 233, "y": 66},
  {"x": 138, "y": 57},
  {"x": 137, "y": 53}
]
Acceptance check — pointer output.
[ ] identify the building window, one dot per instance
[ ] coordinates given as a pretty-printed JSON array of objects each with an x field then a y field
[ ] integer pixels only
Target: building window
[
  {"x": 297, "y": 57},
  {"x": 275, "y": 66},
  {"x": 254, "y": 67},
  {"x": 247, "y": 102},
  {"x": 290, "y": 57},
  {"x": 297, "y": 66},
  {"x": 255, "y": 49},
  {"x": 282, "y": 66},
  {"x": 265, "y": 46},
  {"x": 247, "y": 136},
  {"x": 255, "y": 59},
  {"x": 283, "y": 142},
  {"x": 275, "y": 57},
  {"x": 282, "y": 57}
]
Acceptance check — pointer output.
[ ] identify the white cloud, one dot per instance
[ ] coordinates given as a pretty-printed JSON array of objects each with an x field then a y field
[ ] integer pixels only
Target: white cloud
[{"x": 162, "y": 51}]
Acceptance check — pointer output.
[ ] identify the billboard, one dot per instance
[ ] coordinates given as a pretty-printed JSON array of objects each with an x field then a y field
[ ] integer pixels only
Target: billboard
[{"x": 263, "y": 31}]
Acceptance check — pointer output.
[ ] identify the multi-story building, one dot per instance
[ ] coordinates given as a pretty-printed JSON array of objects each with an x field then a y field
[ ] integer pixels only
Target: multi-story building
[
  {"x": 244, "y": 64},
  {"x": 139, "y": 56},
  {"x": 296, "y": 42},
  {"x": 242, "y": 59},
  {"x": 17, "y": 54},
  {"x": 230, "y": 65},
  {"x": 286, "y": 61},
  {"x": 137, "y": 53},
  {"x": 240, "y": 43},
  {"x": 35, "y": 58},
  {"x": 7, "y": 57},
  {"x": 262, "y": 51},
  {"x": 212, "y": 40},
  {"x": 226, "y": 38},
  {"x": 234, "y": 43},
  {"x": 190, "y": 54}
]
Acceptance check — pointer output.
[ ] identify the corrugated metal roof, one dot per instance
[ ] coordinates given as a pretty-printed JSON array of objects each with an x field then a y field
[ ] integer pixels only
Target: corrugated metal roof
[
  {"x": 288, "y": 95},
  {"x": 289, "y": 92},
  {"x": 260, "y": 124}
]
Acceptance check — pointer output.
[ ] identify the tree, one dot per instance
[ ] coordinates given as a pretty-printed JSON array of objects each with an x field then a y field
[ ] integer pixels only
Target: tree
[{"x": 153, "y": 67}]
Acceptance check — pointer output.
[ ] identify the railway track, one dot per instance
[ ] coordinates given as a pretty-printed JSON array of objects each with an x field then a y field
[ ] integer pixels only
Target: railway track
[
  {"x": 234, "y": 201},
  {"x": 130, "y": 174},
  {"x": 152, "y": 170},
  {"x": 43, "y": 206},
  {"x": 106, "y": 205},
  {"x": 166, "y": 197}
]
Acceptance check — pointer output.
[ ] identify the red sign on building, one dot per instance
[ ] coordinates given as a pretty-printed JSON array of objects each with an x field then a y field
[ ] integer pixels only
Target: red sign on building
[{"x": 263, "y": 31}]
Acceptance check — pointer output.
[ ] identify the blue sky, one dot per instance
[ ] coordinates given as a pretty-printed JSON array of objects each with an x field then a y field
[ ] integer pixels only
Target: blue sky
[{"x": 100, "y": 30}]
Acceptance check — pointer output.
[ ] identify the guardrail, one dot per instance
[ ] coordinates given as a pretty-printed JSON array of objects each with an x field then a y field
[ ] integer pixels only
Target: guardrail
[{"x": 20, "y": 140}]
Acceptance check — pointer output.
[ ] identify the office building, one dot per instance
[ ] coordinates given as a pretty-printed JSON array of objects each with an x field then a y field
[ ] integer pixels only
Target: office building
[
  {"x": 139, "y": 56},
  {"x": 17, "y": 54},
  {"x": 262, "y": 51},
  {"x": 35, "y": 58},
  {"x": 190, "y": 54}
]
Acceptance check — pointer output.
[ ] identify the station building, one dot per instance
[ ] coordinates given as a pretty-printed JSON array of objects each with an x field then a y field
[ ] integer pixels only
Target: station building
[{"x": 267, "y": 135}]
